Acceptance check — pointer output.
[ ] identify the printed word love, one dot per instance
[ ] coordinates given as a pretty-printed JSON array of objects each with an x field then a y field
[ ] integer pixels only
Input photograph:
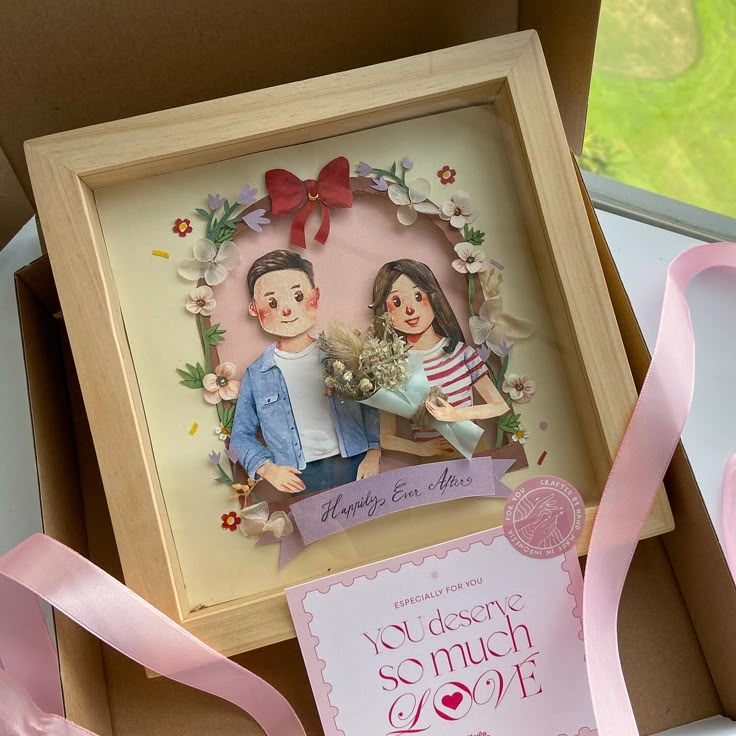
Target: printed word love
[
  {"x": 450, "y": 676},
  {"x": 454, "y": 700}
]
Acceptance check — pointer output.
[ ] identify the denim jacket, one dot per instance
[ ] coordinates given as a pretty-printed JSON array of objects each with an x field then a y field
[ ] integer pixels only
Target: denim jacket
[{"x": 264, "y": 405}]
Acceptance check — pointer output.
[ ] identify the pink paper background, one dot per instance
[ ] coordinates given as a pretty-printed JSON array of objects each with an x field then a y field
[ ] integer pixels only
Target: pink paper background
[
  {"x": 568, "y": 657},
  {"x": 361, "y": 239}
]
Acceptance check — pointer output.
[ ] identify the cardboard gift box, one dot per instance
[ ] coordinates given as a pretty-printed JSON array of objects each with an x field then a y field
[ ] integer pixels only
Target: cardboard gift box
[
  {"x": 676, "y": 652},
  {"x": 676, "y": 648}
]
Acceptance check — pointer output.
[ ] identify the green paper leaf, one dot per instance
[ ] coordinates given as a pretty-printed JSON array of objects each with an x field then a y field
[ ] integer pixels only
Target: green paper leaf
[
  {"x": 192, "y": 377},
  {"x": 473, "y": 236},
  {"x": 223, "y": 477},
  {"x": 509, "y": 422},
  {"x": 191, "y": 384},
  {"x": 393, "y": 169},
  {"x": 225, "y": 233},
  {"x": 183, "y": 373},
  {"x": 196, "y": 370},
  {"x": 213, "y": 335},
  {"x": 203, "y": 213},
  {"x": 228, "y": 424},
  {"x": 189, "y": 380}
]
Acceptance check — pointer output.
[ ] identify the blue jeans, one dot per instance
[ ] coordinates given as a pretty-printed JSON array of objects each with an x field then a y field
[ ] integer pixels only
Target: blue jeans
[{"x": 330, "y": 472}]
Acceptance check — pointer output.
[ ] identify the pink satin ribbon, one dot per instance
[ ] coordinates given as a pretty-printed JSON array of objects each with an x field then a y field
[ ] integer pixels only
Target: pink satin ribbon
[
  {"x": 729, "y": 513},
  {"x": 30, "y": 691},
  {"x": 638, "y": 469}
]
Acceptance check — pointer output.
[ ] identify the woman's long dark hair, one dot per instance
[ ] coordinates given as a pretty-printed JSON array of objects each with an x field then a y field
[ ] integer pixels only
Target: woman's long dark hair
[{"x": 445, "y": 322}]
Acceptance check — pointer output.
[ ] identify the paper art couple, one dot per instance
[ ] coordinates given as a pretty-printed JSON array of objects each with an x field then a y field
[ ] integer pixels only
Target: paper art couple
[{"x": 312, "y": 441}]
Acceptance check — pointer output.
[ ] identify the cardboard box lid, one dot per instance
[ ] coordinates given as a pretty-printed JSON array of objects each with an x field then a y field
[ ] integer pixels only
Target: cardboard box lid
[{"x": 124, "y": 59}]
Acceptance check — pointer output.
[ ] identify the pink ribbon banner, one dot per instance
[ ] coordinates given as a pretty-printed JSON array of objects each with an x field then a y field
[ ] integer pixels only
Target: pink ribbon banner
[
  {"x": 318, "y": 516},
  {"x": 39, "y": 567}
]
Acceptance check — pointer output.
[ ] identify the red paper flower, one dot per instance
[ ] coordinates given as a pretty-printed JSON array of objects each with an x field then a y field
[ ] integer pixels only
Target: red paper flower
[
  {"x": 446, "y": 175},
  {"x": 182, "y": 227},
  {"x": 230, "y": 521}
]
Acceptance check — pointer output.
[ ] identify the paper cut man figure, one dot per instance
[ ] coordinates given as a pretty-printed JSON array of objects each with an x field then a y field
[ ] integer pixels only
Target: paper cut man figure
[{"x": 311, "y": 441}]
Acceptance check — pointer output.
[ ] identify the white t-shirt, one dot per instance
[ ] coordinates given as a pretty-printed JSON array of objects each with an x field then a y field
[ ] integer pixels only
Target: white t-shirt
[{"x": 309, "y": 403}]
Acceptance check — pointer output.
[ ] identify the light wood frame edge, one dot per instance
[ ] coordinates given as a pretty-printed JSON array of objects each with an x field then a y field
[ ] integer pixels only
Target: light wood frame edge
[{"x": 66, "y": 168}]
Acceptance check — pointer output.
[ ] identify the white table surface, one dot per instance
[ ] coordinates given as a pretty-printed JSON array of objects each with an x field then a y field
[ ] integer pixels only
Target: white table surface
[{"x": 641, "y": 253}]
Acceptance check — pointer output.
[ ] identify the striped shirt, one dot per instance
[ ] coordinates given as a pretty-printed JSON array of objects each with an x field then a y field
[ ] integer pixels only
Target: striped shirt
[{"x": 455, "y": 373}]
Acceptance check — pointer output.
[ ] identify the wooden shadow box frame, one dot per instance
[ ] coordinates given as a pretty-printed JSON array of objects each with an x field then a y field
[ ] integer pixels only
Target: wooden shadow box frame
[{"x": 67, "y": 168}]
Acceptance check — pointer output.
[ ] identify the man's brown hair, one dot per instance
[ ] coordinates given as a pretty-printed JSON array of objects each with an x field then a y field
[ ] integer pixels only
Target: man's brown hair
[{"x": 278, "y": 260}]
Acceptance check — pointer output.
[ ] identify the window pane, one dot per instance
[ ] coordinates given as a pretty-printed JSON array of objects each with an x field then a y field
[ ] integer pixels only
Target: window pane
[{"x": 662, "y": 112}]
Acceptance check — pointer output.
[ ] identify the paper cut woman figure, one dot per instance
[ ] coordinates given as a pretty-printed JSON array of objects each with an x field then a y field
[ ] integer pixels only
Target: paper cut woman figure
[
  {"x": 310, "y": 441},
  {"x": 409, "y": 292}
]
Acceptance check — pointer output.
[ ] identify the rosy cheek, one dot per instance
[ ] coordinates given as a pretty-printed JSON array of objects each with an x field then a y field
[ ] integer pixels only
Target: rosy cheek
[
  {"x": 312, "y": 302},
  {"x": 391, "y": 307},
  {"x": 263, "y": 314}
]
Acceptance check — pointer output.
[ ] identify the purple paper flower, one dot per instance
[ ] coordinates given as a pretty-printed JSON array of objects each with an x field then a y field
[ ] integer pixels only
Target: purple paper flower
[
  {"x": 233, "y": 454},
  {"x": 214, "y": 457},
  {"x": 484, "y": 352},
  {"x": 407, "y": 163},
  {"x": 364, "y": 169},
  {"x": 215, "y": 201},
  {"x": 380, "y": 184},
  {"x": 255, "y": 219},
  {"x": 247, "y": 195}
]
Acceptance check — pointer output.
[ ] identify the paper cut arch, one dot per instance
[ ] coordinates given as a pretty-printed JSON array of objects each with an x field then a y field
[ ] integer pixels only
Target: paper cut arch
[{"x": 361, "y": 239}]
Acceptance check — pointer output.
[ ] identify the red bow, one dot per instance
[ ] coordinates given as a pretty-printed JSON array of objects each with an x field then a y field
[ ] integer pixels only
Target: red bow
[{"x": 290, "y": 194}]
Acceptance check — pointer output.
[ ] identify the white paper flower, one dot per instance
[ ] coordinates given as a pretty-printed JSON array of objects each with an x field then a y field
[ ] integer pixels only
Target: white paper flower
[
  {"x": 201, "y": 301},
  {"x": 472, "y": 259},
  {"x": 498, "y": 330},
  {"x": 210, "y": 261},
  {"x": 411, "y": 202},
  {"x": 222, "y": 432},
  {"x": 519, "y": 388},
  {"x": 459, "y": 210},
  {"x": 520, "y": 435},
  {"x": 256, "y": 522}
]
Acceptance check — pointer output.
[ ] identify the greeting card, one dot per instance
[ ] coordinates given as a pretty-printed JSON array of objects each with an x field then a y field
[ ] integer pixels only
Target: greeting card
[{"x": 466, "y": 638}]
